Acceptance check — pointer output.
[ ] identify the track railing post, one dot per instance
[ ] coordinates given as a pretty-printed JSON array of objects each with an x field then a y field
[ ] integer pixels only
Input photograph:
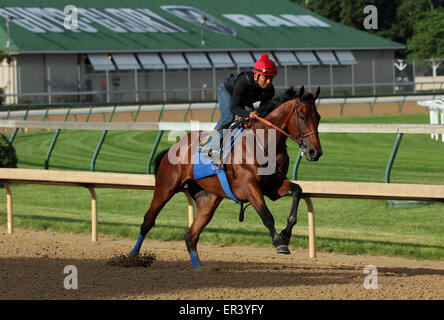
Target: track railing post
[
  {"x": 137, "y": 112},
  {"x": 401, "y": 104},
  {"x": 341, "y": 111},
  {"x": 311, "y": 228},
  {"x": 156, "y": 143},
  {"x": 392, "y": 157},
  {"x": 101, "y": 141},
  {"x": 187, "y": 112},
  {"x": 296, "y": 165},
  {"x": 94, "y": 233},
  {"x": 45, "y": 116},
  {"x": 7, "y": 118},
  {"x": 153, "y": 151},
  {"x": 190, "y": 208},
  {"x": 89, "y": 113},
  {"x": 14, "y": 134},
  {"x": 161, "y": 112},
  {"x": 372, "y": 105},
  {"x": 24, "y": 118},
  {"x": 54, "y": 141},
  {"x": 9, "y": 208}
]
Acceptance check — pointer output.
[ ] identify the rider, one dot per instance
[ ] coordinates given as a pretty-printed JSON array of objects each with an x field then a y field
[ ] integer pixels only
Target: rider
[{"x": 237, "y": 93}]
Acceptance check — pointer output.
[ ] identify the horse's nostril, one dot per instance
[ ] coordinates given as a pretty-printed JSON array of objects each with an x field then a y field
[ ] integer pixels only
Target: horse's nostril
[{"x": 311, "y": 153}]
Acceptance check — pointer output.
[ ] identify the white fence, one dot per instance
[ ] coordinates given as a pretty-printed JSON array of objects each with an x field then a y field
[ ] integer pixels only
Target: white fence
[
  {"x": 436, "y": 107},
  {"x": 184, "y": 126},
  {"x": 204, "y": 106}
]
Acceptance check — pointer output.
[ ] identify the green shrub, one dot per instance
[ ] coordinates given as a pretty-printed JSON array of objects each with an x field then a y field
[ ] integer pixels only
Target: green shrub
[{"x": 8, "y": 158}]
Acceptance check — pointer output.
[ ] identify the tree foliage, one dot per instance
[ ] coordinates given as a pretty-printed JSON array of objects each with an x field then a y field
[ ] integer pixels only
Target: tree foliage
[
  {"x": 4, "y": 55},
  {"x": 428, "y": 37},
  {"x": 397, "y": 19},
  {"x": 8, "y": 158}
]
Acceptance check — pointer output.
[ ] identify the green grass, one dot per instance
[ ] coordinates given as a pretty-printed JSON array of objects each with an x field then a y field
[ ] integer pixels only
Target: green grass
[{"x": 343, "y": 226}]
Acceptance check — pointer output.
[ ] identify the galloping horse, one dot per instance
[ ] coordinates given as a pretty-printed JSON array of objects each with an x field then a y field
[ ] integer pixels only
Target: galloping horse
[{"x": 294, "y": 116}]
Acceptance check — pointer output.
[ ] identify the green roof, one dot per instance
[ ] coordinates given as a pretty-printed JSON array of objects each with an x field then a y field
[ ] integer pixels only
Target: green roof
[{"x": 162, "y": 25}]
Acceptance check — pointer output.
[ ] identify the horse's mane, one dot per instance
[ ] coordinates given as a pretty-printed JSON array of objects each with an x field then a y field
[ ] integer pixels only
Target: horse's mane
[{"x": 290, "y": 93}]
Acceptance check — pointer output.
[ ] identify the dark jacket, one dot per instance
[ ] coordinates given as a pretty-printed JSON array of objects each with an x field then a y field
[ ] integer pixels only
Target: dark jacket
[{"x": 245, "y": 91}]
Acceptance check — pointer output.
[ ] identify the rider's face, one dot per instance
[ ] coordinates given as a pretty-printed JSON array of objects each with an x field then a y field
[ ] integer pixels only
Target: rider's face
[{"x": 264, "y": 81}]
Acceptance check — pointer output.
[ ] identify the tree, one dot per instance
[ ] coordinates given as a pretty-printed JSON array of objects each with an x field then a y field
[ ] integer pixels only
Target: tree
[
  {"x": 428, "y": 36},
  {"x": 396, "y": 18},
  {"x": 8, "y": 157},
  {"x": 4, "y": 55},
  {"x": 407, "y": 14}
]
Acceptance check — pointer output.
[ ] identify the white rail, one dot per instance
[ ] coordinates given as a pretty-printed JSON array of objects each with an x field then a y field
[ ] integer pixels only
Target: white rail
[
  {"x": 194, "y": 125},
  {"x": 315, "y": 189},
  {"x": 203, "y": 106},
  {"x": 435, "y": 107}
]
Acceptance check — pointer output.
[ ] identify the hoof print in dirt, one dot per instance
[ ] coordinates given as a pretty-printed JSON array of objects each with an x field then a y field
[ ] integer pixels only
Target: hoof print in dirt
[{"x": 140, "y": 260}]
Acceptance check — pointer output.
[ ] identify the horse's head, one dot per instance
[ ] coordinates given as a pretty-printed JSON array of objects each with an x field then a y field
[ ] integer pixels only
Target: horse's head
[{"x": 304, "y": 122}]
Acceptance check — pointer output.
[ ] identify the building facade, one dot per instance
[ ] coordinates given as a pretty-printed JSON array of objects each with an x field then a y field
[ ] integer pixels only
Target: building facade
[{"x": 168, "y": 51}]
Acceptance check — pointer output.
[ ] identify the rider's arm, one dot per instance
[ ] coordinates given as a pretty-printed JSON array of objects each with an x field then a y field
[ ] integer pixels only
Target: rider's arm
[
  {"x": 267, "y": 95},
  {"x": 237, "y": 107},
  {"x": 265, "y": 101}
]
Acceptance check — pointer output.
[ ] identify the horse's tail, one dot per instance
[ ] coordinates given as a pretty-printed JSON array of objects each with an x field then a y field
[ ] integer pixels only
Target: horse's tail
[{"x": 158, "y": 159}]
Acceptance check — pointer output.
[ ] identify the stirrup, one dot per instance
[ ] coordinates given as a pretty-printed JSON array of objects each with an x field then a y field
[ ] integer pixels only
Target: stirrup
[{"x": 211, "y": 153}]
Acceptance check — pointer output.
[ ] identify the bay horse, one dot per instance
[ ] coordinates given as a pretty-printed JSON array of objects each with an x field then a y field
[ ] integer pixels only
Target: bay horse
[{"x": 293, "y": 116}]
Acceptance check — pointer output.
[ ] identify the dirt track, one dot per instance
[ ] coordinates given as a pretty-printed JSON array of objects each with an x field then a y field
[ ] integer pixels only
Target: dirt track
[{"x": 32, "y": 265}]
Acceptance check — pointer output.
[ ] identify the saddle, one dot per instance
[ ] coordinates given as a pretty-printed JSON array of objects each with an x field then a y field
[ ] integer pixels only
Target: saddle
[
  {"x": 213, "y": 143},
  {"x": 207, "y": 162}
]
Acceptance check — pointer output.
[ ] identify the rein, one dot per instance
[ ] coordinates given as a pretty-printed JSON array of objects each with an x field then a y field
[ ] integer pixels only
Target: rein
[{"x": 300, "y": 138}]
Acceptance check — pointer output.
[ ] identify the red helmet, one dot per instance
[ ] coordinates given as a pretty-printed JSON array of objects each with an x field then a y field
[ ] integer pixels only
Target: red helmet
[{"x": 265, "y": 66}]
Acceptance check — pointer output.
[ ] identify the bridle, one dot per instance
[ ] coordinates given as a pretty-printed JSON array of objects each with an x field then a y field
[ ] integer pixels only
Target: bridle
[{"x": 300, "y": 138}]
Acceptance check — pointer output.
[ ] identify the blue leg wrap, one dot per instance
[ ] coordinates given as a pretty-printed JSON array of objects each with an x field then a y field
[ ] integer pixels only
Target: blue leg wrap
[
  {"x": 195, "y": 260},
  {"x": 136, "y": 248}
]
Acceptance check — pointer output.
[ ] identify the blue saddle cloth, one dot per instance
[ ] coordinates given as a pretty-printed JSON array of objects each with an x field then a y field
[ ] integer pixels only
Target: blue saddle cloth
[{"x": 204, "y": 167}]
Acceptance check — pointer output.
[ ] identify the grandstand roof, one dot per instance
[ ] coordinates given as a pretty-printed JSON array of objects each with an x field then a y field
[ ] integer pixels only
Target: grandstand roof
[{"x": 169, "y": 25}]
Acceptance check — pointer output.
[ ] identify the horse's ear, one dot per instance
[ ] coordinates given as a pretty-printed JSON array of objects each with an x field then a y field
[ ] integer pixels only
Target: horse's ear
[
  {"x": 316, "y": 94},
  {"x": 301, "y": 93}
]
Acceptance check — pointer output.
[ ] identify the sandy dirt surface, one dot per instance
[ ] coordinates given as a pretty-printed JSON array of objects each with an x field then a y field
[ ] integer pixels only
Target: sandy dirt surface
[{"x": 32, "y": 267}]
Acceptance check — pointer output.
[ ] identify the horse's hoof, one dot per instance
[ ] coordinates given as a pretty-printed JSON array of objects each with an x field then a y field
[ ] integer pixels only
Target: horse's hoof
[
  {"x": 195, "y": 261},
  {"x": 133, "y": 254},
  {"x": 283, "y": 249},
  {"x": 197, "y": 267}
]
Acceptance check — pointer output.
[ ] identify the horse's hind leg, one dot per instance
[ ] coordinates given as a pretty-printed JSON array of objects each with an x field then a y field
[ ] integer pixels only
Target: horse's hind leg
[
  {"x": 163, "y": 192},
  {"x": 206, "y": 204}
]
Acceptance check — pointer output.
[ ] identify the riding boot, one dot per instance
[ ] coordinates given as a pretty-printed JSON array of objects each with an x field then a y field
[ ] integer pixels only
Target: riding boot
[{"x": 213, "y": 153}]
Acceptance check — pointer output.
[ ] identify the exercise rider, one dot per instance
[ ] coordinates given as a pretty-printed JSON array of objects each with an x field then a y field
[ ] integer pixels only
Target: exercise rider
[{"x": 237, "y": 93}]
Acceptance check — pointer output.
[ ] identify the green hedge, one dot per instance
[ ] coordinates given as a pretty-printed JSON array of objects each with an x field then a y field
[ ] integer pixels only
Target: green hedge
[{"x": 8, "y": 157}]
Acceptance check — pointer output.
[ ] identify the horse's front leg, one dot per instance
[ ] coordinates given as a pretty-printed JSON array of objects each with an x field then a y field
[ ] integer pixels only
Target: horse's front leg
[
  {"x": 258, "y": 202},
  {"x": 285, "y": 189},
  {"x": 296, "y": 192}
]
